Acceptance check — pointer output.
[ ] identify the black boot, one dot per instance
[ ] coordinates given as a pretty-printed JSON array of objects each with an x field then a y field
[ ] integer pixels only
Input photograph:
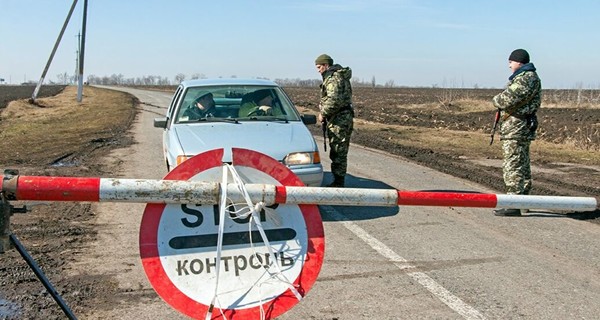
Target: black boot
[
  {"x": 507, "y": 212},
  {"x": 338, "y": 182}
]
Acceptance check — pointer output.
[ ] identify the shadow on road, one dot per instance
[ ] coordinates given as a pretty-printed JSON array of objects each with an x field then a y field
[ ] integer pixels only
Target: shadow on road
[
  {"x": 585, "y": 215},
  {"x": 359, "y": 212},
  {"x": 592, "y": 216},
  {"x": 372, "y": 212}
]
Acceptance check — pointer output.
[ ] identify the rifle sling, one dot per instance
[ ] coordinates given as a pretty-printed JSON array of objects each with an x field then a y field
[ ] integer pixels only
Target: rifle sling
[{"x": 521, "y": 116}]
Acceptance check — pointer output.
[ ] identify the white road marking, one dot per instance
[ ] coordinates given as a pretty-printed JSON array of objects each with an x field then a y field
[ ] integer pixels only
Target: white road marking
[{"x": 452, "y": 301}]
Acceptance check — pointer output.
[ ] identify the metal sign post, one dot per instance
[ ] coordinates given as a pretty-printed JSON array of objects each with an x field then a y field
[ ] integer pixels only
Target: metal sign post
[
  {"x": 5, "y": 213},
  {"x": 9, "y": 240}
]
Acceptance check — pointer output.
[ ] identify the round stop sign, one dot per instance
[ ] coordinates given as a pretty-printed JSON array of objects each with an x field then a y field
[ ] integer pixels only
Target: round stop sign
[{"x": 178, "y": 245}]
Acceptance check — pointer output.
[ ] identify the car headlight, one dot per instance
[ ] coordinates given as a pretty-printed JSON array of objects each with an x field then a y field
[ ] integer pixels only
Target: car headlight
[{"x": 299, "y": 158}]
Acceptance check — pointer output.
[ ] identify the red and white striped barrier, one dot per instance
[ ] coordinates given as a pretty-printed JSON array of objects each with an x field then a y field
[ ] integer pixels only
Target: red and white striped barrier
[{"x": 41, "y": 188}]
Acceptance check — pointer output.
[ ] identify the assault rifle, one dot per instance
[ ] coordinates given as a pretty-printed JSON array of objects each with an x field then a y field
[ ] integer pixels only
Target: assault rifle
[
  {"x": 496, "y": 120},
  {"x": 324, "y": 128}
]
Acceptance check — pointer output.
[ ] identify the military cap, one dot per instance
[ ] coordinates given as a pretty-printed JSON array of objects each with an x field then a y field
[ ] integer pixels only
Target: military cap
[
  {"x": 519, "y": 55},
  {"x": 324, "y": 59}
]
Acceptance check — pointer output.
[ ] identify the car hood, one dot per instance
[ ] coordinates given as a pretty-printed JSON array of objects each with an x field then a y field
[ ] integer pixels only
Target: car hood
[{"x": 276, "y": 139}]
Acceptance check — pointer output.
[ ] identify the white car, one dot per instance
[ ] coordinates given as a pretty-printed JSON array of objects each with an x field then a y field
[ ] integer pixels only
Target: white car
[{"x": 277, "y": 130}]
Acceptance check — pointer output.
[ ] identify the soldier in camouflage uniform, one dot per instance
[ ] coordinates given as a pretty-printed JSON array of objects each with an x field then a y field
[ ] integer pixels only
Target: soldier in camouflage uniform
[
  {"x": 518, "y": 105},
  {"x": 336, "y": 109},
  {"x": 202, "y": 107}
]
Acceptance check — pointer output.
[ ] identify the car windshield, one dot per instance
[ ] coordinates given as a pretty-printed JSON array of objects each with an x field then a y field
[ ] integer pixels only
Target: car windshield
[{"x": 240, "y": 102}]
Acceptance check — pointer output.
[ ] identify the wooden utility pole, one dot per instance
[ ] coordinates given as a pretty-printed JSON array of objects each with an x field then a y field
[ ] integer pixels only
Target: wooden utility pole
[
  {"x": 62, "y": 31},
  {"x": 81, "y": 54}
]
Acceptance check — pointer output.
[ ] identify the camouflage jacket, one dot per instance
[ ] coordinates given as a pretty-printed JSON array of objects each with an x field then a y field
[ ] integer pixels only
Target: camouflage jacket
[
  {"x": 519, "y": 103},
  {"x": 336, "y": 91}
]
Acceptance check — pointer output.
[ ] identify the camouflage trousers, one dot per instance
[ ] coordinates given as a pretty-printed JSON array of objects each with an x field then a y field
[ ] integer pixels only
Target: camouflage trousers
[
  {"x": 516, "y": 167},
  {"x": 339, "y": 130}
]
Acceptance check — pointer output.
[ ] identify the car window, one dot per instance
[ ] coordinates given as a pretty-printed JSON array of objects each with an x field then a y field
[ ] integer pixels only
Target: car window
[
  {"x": 172, "y": 106},
  {"x": 174, "y": 101},
  {"x": 227, "y": 102}
]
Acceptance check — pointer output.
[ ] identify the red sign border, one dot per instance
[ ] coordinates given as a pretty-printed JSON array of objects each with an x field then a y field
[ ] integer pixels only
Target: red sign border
[{"x": 163, "y": 285}]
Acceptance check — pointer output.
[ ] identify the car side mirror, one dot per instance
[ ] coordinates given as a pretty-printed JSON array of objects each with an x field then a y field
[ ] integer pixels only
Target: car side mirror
[
  {"x": 160, "y": 123},
  {"x": 309, "y": 118}
]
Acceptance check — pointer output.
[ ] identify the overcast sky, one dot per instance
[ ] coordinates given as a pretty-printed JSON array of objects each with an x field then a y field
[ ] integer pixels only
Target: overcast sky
[{"x": 451, "y": 43}]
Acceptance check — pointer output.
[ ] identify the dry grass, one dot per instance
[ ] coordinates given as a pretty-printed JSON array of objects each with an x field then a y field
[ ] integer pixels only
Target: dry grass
[
  {"x": 474, "y": 105},
  {"x": 59, "y": 126},
  {"x": 467, "y": 144},
  {"x": 472, "y": 145}
]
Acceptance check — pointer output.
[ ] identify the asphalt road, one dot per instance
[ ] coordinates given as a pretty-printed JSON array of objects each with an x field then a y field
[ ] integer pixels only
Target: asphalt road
[{"x": 389, "y": 263}]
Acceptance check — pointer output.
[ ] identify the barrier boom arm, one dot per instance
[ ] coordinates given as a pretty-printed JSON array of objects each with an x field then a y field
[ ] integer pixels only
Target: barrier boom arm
[{"x": 41, "y": 188}]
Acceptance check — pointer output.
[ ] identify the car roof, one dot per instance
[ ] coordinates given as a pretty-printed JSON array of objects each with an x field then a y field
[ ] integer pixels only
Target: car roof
[{"x": 231, "y": 81}]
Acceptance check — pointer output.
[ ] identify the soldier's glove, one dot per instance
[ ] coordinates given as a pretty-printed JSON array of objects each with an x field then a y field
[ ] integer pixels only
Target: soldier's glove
[
  {"x": 532, "y": 123},
  {"x": 265, "y": 111}
]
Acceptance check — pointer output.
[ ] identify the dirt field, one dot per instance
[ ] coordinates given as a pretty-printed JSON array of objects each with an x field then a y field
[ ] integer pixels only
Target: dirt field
[
  {"x": 444, "y": 129},
  {"x": 63, "y": 138},
  {"x": 10, "y": 93}
]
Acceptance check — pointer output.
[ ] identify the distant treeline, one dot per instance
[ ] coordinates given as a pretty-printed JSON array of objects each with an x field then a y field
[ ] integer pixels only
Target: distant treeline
[
  {"x": 121, "y": 80},
  {"x": 578, "y": 96}
]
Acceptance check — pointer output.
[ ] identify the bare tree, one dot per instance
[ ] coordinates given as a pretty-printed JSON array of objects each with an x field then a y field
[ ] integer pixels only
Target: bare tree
[
  {"x": 63, "y": 78},
  {"x": 579, "y": 87},
  {"x": 447, "y": 96},
  {"x": 179, "y": 78}
]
